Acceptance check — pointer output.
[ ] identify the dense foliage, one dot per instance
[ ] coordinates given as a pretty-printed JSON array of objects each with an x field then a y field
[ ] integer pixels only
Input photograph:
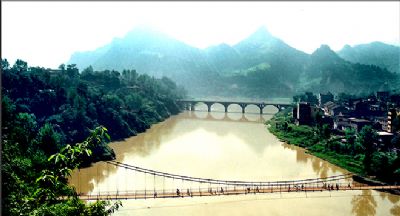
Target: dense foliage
[
  {"x": 359, "y": 153},
  {"x": 35, "y": 187},
  {"x": 44, "y": 110}
]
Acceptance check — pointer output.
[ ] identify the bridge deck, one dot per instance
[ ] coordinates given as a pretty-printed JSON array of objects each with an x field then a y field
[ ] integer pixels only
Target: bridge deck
[
  {"x": 235, "y": 101},
  {"x": 195, "y": 193}
]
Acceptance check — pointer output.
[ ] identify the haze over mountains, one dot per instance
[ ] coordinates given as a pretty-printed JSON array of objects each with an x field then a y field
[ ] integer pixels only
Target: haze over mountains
[
  {"x": 377, "y": 53},
  {"x": 259, "y": 66}
]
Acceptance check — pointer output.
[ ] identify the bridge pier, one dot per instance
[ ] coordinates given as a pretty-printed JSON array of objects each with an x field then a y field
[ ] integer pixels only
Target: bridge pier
[
  {"x": 261, "y": 106},
  {"x": 243, "y": 105},
  {"x": 225, "y": 106},
  {"x": 208, "y": 106},
  {"x": 192, "y": 106}
]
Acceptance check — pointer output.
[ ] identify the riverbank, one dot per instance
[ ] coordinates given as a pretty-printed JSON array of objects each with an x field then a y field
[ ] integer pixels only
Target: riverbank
[
  {"x": 323, "y": 145},
  {"x": 305, "y": 137}
]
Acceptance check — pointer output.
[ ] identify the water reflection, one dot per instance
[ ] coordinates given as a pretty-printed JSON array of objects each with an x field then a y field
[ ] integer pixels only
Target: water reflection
[
  {"x": 235, "y": 108},
  {"x": 227, "y": 117},
  {"x": 145, "y": 144},
  {"x": 395, "y": 211},
  {"x": 364, "y": 204},
  {"x": 392, "y": 199},
  {"x": 321, "y": 168}
]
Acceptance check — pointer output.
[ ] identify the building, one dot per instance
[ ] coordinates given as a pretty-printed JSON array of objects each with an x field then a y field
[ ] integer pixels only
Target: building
[
  {"x": 328, "y": 107},
  {"x": 341, "y": 122},
  {"x": 332, "y": 109},
  {"x": 362, "y": 109},
  {"x": 294, "y": 112},
  {"x": 303, "y": 113},
  {"x": 392, "y": 114},
  {"x": 383, "y": 121},
  {"x": 382, "y": 96},
  {"x": 358, "y": 124},
  {"x": 385, "y": 137},
  {"x": 395, "y": 99},
  {"x": 324, "y": 98}
]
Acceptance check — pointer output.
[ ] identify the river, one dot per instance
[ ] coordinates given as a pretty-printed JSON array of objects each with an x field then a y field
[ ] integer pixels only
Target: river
[{"x": 229, "y": 146}]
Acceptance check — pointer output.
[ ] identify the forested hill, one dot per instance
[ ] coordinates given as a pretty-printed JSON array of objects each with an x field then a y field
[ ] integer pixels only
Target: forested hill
[
  {"x": 261, "y": 65},
  {"x": 154, "y": 53},
  {"x": 376, "y": 53},
  {"x": 327, "y": 71},
  {"x": 42, "y": 110}
]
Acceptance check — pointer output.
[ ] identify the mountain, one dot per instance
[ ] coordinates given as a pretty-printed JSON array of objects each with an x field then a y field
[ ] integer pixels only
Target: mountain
[
  {"x": 327, "y": 71},
  {"x": 377, "y": 53},
  {"x": 259, "y": 48},
  {"x": 151, "y": 52},
  {"x": 223, "y": 58},
  {"x": 261, "y": 65}
]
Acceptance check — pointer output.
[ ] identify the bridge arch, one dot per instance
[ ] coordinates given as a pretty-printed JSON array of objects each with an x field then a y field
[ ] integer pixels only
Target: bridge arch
[
  {"x": 190, "y": 105},
  {"x": 234, "y": 107},
  {"x": 217, "y": 106},
  {"x": 270, "y": 109},
  {"x": 252, "y": 108},
  {"x": 199, "y": 106}
]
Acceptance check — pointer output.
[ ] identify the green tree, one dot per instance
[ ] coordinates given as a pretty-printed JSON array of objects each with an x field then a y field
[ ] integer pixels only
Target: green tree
[
  {"x": 382, "y": 164},
  {"x": 24, "y": 130},
  {"x": 367, "y": 139},
  {"x": 48, "y": 140},
  {"x": 350, "y": 138},
  {"x": 20, "y": 65},
  {"x": 72, "y": 71},
  {"x": 326, "y": 131},
  {"x": 4, "y": 64},
  {"x": 52, "y": 183}
]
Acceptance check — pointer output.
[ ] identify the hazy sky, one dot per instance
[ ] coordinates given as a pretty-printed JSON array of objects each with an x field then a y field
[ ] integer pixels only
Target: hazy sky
[{"x": 47, "y": 33}]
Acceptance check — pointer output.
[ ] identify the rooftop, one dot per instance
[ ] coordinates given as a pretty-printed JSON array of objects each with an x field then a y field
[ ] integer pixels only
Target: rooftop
[
  {"x": 384, "y": 133},
  {"x": 358, "y": 120}
]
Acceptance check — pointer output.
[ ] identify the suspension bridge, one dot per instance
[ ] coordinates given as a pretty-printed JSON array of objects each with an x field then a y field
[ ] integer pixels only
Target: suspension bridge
[{"x": 188, "y": 186}]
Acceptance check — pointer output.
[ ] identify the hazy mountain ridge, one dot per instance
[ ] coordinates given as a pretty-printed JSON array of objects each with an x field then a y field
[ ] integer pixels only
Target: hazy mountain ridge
[
  {"x": 377, "y": 53},
  {"x": 146, "y": 51},
  {"x": 260, "y": 65},
  {"x": 326, "y": 71}
]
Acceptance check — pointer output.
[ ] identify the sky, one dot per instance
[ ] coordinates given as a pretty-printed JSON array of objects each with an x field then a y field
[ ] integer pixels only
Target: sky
[{"x": 47, "y": 33}]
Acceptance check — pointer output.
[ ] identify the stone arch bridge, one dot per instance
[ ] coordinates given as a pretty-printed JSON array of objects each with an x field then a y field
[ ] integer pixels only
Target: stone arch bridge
[{"x": 190, "y": 104}]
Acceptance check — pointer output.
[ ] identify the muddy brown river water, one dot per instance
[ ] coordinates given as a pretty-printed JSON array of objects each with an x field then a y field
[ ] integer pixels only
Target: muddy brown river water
[{"x": 231, "y": 146}]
